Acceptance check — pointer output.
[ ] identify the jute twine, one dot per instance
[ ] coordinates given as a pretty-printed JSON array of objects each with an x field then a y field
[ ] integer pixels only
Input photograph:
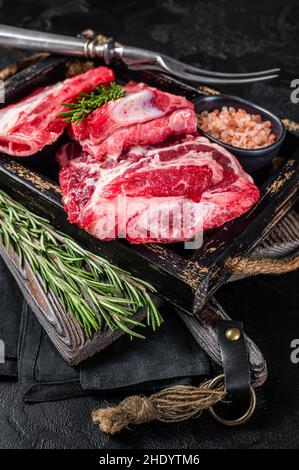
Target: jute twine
[
  {"x": 262, "y": 266},
  {"x": 172, "y": 404}
]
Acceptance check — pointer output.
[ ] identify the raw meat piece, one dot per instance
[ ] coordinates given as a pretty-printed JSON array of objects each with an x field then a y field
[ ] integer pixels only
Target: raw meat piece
[
  {"x": 32, "y": 123},
  {"x": 145, "y": 116},
  {"x": 163, "y": 193}
]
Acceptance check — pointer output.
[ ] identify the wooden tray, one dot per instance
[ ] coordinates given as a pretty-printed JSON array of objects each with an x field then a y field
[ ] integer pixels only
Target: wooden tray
[{"x": 186, "y": 278}]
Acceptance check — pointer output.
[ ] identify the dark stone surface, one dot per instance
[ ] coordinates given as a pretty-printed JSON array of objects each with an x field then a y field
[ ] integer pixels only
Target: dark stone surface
[{"x": 236, "y": 36}]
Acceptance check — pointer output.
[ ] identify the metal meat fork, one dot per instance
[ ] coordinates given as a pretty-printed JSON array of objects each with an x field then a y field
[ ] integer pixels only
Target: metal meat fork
[{"x": 109, "y": 51}]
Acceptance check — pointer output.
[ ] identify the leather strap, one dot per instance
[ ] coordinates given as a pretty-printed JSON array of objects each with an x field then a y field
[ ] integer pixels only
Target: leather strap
[{"x": 235, "y": 360}]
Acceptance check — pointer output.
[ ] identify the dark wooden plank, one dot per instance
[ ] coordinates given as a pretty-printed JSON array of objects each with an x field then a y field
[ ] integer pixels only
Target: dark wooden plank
[
  {"x": 62, "y": 328},
  {"x": 34, "y": 75}
]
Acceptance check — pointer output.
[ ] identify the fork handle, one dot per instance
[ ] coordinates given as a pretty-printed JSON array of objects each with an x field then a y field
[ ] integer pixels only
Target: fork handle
[
  {"x": 20, "y": 38},
  {"x": 99, "y": 46}
]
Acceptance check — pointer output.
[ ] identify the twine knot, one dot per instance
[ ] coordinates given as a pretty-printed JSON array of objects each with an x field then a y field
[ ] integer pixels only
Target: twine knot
[
  {"x": 139, "y": 409},
  {"x": 176, "y": 403},
  {"x": 135, "y": 410}
]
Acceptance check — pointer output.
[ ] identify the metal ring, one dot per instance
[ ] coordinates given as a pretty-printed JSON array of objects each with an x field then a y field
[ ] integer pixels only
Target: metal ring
[
  {"x": 100, "y": 47},
  {"x": 89, "y": 51},
  {"x": 234, "y": 422}
]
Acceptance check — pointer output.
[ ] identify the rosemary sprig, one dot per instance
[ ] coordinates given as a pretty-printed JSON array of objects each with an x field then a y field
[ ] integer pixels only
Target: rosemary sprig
[
  {"x": 95, "y": 291},
  {"x": 88, "y": 102}
]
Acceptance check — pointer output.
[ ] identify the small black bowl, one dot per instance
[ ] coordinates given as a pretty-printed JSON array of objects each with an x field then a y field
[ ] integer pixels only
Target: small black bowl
[{"x": 251, "y": 160}]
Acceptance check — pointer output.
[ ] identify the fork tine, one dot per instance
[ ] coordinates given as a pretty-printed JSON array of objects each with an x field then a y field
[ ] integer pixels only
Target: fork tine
[
  {"x": 210, "y": 73},
  {"x": 178, "y": 66},
  {"x": 218, "y": 80},
  {"x": 204, "y": 80}
]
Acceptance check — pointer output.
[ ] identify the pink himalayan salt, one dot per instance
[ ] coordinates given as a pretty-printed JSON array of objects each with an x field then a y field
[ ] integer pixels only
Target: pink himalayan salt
[{"x": 237, "y": 127}]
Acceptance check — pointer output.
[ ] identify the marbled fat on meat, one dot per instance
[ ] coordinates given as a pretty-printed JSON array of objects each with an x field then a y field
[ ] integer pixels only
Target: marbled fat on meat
[
  {"x": 144, "y": 116},
  {"x": 157, "y": 193},
  {"x": 34, "y": 122}
]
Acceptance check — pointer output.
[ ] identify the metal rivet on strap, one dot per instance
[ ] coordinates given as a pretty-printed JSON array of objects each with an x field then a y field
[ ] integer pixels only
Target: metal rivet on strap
[{"x": 233, "y": 334}]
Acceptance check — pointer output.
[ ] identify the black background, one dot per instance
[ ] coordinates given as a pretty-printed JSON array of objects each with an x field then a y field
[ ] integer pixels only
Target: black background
[{"x": 222, "y": 35}]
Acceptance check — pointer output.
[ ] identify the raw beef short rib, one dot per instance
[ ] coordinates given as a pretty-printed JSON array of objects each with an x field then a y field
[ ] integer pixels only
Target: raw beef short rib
[
  {"x": 35, "y": 121},
  {"x": 144, "y": 116},
  {"x": 163, "y": 193}
]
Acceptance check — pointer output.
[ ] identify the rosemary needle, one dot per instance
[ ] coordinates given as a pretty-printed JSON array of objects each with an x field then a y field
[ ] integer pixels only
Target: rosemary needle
[
  {"x": 97, "y": 293},
  {"x": 88, "y": 102}
]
